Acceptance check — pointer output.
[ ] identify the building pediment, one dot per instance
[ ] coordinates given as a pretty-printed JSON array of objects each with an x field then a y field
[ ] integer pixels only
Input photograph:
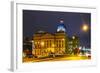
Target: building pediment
[{"x": 47, "y": 35}]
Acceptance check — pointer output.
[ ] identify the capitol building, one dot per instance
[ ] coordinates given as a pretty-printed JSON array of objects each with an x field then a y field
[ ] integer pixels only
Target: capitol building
[{"x": 45, "y": 44}]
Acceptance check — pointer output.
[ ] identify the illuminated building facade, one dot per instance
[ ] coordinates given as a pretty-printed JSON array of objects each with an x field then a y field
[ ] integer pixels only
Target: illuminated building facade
[{"x": 46, "y": 44}]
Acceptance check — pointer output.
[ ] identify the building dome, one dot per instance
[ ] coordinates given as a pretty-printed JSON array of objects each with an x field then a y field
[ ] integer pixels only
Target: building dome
[{"x": 61, "y": 27}]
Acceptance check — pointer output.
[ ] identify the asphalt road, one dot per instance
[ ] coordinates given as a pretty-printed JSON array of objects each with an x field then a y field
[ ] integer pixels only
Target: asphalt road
[{"x": 67, "y": 58}]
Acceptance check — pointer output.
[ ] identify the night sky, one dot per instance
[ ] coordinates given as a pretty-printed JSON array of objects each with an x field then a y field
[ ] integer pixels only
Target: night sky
[{"x": 34, "y": 21}]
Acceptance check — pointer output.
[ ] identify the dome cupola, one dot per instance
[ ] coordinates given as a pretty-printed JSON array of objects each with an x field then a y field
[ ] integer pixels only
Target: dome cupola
[{"x": 61, "y": 27}]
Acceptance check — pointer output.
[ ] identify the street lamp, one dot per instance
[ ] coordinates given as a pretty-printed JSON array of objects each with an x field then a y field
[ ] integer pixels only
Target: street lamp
[
  {"x": 63, "y": 39},
  {"x": 85, "y": 27},
  {"x": 73, "y": 37},
  {"x": 53, "y": 45},
  {"x": 42, "y": 43}
]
